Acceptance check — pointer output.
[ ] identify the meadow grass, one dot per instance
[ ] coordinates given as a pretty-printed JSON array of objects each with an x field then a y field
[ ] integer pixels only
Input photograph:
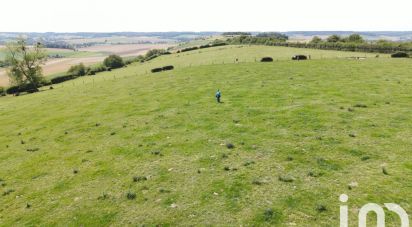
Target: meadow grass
[{"x": 126, "y": 147}]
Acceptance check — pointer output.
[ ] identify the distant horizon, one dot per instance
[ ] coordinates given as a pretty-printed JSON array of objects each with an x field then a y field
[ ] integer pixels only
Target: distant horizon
[{"x": 212, "y": 31}]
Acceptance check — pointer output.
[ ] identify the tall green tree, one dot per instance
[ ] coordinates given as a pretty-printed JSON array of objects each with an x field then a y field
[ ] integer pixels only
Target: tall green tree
[
  {"x": 25, "y": 63},
  {"x": 333, "y": 39},
  {"x": 355, "y": 38},
  {"x": 316, "y": 39}
]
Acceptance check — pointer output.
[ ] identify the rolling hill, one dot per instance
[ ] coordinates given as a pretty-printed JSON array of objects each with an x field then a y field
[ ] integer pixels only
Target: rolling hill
[{"x": 129, "y": 147}]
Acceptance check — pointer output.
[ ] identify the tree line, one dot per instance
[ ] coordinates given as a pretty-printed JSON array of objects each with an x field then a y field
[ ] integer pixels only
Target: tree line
[{"x": 354, "y": 42}]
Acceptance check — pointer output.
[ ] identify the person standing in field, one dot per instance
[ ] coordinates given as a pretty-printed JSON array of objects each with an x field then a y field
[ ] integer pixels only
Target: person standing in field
[{"x": 218, "y": 95}]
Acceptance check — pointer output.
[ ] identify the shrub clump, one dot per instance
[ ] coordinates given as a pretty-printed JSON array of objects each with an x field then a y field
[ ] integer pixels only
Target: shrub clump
[
  {"x": 113, "y": 62},
  {"x": 131, "y": 195},
  {"x": 299, "y": 57},
  {"x": 230, "y": 146},
  {"x": 168, "y": 67},
  {"x": 61, "y": 79},
  {"x": 400, "y": 55},
  {"x": 139, "y": 178},
  {"x": 164, "y": 68},
  {"x": 266, "y": 59},
  {"x": 78, "y": 70},
  {"x": 287, "y": 179}
]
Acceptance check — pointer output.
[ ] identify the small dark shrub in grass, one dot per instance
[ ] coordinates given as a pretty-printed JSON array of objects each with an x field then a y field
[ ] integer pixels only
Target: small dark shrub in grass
[
  {"x": 230, "y": 146},
  {"x": 248, "y": 163},
  {"x": 8, "y": 192},
  {"x": 287, "y": 179},
  {"x": 314, "y": 174},
  {"x": 360, "y": 106},
  {"x": 385, "y": 171},
  {"x": 299, "y": 57},
  {"x": 400, "y": 55},
  {"x": 131, "y": 195},
  {"x": 268, "y": 214},
  {"x": 163, "y": 190},
  {"x": 156, "y": 153},
  {"x": 365, "y": 158},
  {"x": 168, "y": 67},
  {"x": 139, "y": 178},
  {"x": 32, "y": 149},
  {"x": 266, "y": 59},
  {"x": 321, "y": 208},
  {"x": 271, "y": 216},
  {"x": 156, "y": 70},
  {"x": 257, "y": 182},
  {"x": 103, "y": 196}
]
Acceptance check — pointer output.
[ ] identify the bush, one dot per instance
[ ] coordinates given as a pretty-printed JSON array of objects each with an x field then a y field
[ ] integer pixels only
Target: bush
[
  {"x": 400, "y": 55},
  {"x": 97, "y": 69},
  {"x": 78, "y": 70},
  {"x": 299, "y": 57},
  {"x": 266, "y": 59},
  {"x": 2, "y": 91},
  {"x": 30, "y": 88},
  {"x": 168, "y": 67},
  {"x": 61, "y": 79},
  {"x": 274, "y": 35},
  {"x": 113, "y": 61},
  {"x": 156, "y": 70},
  {"x": 189, "y": 49},
  {"x": 164, "y": 68}
]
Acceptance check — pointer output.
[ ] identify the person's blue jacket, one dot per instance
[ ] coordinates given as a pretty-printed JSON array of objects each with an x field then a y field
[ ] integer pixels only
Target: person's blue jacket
[{"x": 218, "y": 94}]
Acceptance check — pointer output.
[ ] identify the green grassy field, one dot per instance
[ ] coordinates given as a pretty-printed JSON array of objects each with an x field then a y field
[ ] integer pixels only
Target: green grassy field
[{"x": 130, "y": 148}]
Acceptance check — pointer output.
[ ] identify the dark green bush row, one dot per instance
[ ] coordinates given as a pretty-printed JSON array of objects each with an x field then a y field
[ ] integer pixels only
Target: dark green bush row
[
  {"x": 400, "y": 55},
  {"x": 61, "y": 79},
  {"x": 164, "y": 68},
  {"x": 214, "y": 44},
  {"x": 235, "y": 33},
  {"x": 341, "y": 44},
  {"x": 187, "y": 49},
  {"x": 249, "y": 40},
  {"x": 30, "y": 88},
  {"x": 274, "y": 35}
]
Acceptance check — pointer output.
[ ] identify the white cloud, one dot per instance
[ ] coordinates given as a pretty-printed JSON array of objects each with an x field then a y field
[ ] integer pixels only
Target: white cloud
[{"x": 211, "y": 15}]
